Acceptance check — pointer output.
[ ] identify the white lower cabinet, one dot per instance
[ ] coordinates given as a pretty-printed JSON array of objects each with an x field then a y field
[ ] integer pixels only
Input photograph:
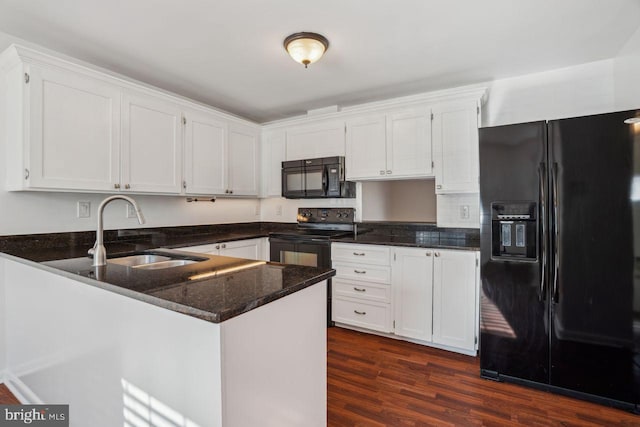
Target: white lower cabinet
[
  {"x": 361, "y": 289},
  {"x": 424, "y": 295},
  {"x": 455, "y": 307},
  {"x": 248, "y": 248},
  {"x": 413, "y": 292}
]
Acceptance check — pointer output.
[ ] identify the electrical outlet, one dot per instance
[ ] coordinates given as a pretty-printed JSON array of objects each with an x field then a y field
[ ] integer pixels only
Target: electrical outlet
[
  {"x": 464, "y": 212},
  {"x": 131, "y": 211},
  {"x": 84, "y": 209},
  {"x": 279, "y": 210}
]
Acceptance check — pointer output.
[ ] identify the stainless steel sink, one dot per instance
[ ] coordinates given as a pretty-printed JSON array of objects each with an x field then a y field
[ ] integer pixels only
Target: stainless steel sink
[{"x": 155, "y": 261}]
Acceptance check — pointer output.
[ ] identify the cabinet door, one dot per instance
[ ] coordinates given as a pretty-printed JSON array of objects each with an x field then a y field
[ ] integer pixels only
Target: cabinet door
[
  {"x": 455, "y": 143},
  {"x": 317, "y": 140},
  {"x": 454, "y": 299},
  {"x": 250, "y": 249},
  {"x": 366, "y": 149},
  {"x": 243, "y": 160},
  {"x": 409, "y": 143},
  {"x": 412, "y": 284},
  {"x": 205, "y": 154},
  {"x": 151, "y": 144},
  {"x": 74, "y": 131},
  {"x": 273, "y": 154}
]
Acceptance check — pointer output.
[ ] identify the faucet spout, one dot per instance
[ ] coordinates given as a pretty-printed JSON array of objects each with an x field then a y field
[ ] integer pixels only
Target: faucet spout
[{"x": 99, "y": 252}]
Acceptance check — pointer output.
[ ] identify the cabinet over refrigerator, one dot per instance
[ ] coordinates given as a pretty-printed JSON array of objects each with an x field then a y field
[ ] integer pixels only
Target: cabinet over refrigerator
[{"x": 560, "y": 256}]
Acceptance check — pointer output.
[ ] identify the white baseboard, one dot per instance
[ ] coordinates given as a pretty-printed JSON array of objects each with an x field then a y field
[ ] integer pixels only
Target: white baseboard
[
  {"x": 20, "y": 390},
  {"x": 473, "y": 353}
]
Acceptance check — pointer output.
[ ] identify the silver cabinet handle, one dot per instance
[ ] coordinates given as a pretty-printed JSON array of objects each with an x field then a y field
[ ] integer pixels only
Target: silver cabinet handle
[
  {"x": 116, "y": 186},
  {"x": 361, "y": 313},
  {"x": 358, "y": 253},
  {"x": 381, "y": 172},
  {"x": 388, "y": 172},
  {"x": 439, "y": 187},
  {"x": 359, "y": 271},
  {"x": 127, "y": 186},
  {"x": 437, "y": 254},
  {"x": 217, "y": 246},
  {"x": 230, "y": 191},
  {"x": 224, "y": 245},
  {"x": 428, "y": 253},
  {"x": 359, "y": 289}
]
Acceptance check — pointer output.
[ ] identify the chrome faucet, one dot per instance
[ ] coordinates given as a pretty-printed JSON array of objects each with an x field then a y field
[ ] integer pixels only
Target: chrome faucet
[{"x": 99, "y": 252}]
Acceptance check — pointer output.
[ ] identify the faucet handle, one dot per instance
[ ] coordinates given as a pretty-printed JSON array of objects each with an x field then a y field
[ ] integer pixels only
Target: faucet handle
[{"x": 92, "y": 250}]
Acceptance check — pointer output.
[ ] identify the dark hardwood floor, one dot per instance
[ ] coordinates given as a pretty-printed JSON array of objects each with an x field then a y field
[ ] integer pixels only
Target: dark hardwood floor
[
  {"x": 6, "y": 397},
  {"x": 376, "y": 381}
]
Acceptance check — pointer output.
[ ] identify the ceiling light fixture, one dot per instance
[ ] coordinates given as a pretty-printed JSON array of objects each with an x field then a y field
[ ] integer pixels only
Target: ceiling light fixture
[
  {"x": 632, "y": 120},
  {"x": 306, "y": 48}
]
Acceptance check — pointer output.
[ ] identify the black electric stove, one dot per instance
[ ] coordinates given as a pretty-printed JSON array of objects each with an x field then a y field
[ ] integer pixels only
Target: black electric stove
[{"x": 310, "y": 242}]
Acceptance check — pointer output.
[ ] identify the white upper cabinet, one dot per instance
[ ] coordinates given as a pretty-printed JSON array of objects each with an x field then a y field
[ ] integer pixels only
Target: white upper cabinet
[
  {"x": 455, "y": 303},
  {"x": 205, "y": 154},
  {"x": 324, "y": 139},
  {"x": 243, "y": 164},
  {"x": 72, "y": 128},
  {"x": 273, "y": 154},
  {"x": 455, "y": 145},
  {"x": 409, "y": 143},
  {"x": 151, "y": 144},
  {"x": 72, "y": 137},
  {"x": 396, "y": 145},
  {"x": 366, "y": 147}
]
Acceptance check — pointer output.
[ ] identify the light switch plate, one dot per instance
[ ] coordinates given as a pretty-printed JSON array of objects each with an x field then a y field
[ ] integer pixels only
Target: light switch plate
[
  {"x": 84, "y": 209},
  {"x": 464, "y": 212}
]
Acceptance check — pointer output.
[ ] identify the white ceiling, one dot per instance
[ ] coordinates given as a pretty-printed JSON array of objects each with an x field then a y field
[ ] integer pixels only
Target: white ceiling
[{"x": 229, "y": 54}]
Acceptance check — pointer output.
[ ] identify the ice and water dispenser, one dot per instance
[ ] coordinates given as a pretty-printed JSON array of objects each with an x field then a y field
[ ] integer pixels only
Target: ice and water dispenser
[{"x": 514, "y": 231}]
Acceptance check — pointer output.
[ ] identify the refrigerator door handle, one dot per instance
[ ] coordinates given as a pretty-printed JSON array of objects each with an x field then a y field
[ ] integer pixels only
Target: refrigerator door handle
[
  {"x": 556, "y": 256},
  {"x": 543, "y": 198}
]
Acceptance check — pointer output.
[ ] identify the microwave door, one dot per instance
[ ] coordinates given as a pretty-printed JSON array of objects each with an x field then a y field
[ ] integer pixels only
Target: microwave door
[
  {"x": 293, "y": 184},
  {"x": 315, "y": 178}
]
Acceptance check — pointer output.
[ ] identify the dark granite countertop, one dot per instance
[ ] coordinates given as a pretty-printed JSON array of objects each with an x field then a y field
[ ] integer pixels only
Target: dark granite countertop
[
  {"x": 214, "y": 290},
  {"x": 54, "y": 246},
  {"x": 419, "y": 235},
  {"x": 230, "y": 286},
  {"x": 416, "y": 240}
]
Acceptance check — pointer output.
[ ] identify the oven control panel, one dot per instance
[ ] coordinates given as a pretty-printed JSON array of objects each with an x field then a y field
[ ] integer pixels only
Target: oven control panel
[{"x": 326, "y": 215}]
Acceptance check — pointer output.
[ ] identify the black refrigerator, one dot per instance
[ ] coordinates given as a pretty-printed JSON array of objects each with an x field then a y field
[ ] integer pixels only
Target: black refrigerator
[{"x": 560, "y": 256}]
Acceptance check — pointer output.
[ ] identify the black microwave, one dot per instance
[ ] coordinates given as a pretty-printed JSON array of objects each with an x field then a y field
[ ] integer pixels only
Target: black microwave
[{"x": 315, "y": 179}]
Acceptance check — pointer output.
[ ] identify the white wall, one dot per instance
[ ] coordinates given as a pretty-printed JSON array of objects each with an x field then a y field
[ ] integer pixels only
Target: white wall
[
  {"x": 627, "y": 74},
  {"x": 403, "y": 200},
  {"x": 566, "y": 92}
]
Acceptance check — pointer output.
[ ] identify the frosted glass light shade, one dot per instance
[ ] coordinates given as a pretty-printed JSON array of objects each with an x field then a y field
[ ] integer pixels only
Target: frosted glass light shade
[{"x": 306, "y": 48}]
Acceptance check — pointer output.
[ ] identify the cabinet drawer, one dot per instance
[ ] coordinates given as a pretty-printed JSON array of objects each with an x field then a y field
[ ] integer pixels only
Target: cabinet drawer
[
  {"x": 361, "y": 290},
  {"x": 365, "y": 314},
  {"x": 369, "y": 273},
  {"x": 362, "y": 254}
]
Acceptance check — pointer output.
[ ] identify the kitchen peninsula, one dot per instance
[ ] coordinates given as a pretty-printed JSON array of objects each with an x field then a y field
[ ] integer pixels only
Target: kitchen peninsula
[{"x": 217, "y": 341}]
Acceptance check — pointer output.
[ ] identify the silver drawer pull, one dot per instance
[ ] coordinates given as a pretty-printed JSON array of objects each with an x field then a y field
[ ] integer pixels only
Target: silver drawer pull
[
  {"x": 359, "y": 271},
  {"x": 361, "y": 313},
  {"x": 359, "y": 289},
  {"x": 358, "y": 253}
]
